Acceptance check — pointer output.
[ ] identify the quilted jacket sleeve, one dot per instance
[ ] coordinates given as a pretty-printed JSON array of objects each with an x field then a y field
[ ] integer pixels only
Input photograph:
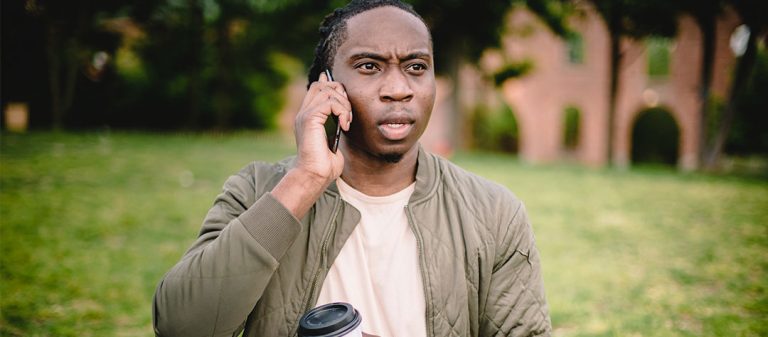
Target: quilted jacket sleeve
[
  {"x": 516, "y": 303},
  {"x": 219, "y": 280}
]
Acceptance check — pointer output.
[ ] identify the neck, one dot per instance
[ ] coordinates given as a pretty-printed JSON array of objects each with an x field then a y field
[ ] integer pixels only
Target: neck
[{"x": 374, "y": 176}]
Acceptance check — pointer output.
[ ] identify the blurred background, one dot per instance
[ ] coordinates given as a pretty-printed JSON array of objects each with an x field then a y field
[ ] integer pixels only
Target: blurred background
[
  {"x": 596, "y": 82},
  {"x": 636, "y": 132}
]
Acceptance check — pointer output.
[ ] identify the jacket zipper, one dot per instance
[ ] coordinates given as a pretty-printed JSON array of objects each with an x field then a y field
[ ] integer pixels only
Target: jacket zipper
[
  {"x": 423, "y": 268},
  {"x": 323, "y": 256}
]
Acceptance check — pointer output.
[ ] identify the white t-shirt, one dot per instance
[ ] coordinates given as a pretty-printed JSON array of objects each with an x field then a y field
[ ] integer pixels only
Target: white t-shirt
[{"x": 377, "y": 270}]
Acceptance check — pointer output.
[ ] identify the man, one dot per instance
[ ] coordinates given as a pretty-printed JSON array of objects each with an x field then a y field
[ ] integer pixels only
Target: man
[{"x": 417, "y": 245}]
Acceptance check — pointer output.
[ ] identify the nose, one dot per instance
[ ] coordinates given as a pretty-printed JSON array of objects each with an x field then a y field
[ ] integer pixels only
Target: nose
[{"x": 396, "y": 87}]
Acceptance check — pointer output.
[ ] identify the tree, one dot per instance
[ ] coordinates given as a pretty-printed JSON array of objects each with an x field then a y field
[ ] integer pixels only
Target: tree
[
  {"x": 752, "y": 12},
  {"x": 748, "y": 133},
  {"x": 23, "y": 61},
  {"x": 72, "y": 34},
  {"x": 219, "y": 64}
]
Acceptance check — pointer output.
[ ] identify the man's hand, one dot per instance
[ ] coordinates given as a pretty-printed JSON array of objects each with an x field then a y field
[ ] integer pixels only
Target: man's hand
[
  {"x": 314, "y": 158},
  {"x": 316, "y": 166}
]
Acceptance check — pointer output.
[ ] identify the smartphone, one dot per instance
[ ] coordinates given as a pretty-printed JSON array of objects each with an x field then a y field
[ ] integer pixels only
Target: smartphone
[{"x": 332, "y": 126}]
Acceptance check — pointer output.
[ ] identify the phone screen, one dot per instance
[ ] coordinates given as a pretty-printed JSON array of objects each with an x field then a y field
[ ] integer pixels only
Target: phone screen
[{"x": 332, "y": 127}]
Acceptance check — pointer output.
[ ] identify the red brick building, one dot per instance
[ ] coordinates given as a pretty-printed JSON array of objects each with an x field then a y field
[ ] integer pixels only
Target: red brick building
[{"x": 564, "y": 78}]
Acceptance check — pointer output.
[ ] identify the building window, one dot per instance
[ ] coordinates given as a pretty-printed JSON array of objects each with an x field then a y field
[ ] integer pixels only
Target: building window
[
  {"x": 575, "y": 46},
  {"x": 659, "y": 55},
  {"x": 571, "y": 127}
]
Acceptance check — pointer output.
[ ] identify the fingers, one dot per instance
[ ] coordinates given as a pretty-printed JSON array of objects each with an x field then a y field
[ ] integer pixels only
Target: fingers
[
  {"x": 323, "y": 81},
  {"x": 345, "y": 114},
  {"x": 322, "y": 108},
  {"x": 323, "y": 85},
  {"x": 338, "y": 87},
  {"x": 329, "y": 98}
]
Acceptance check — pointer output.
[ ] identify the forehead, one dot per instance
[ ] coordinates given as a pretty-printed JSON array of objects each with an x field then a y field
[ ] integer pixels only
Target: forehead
[{"x": 386, "y": 29}]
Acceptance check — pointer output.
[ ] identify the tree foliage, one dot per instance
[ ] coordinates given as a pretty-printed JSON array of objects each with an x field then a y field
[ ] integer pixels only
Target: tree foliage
[
  {"x": 221, "y": 63},
  {"x": 197, "y": 63},
  {"x": 752, "y": 13},
  {"x": 49, "y": 46}
]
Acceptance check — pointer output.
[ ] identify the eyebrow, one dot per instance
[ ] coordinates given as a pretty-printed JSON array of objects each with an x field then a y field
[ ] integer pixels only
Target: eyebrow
[{"x": 382, "y": 58}]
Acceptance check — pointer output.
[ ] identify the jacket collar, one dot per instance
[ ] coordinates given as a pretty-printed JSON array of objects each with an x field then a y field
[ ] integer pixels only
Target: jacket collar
[{"x": 427, "y": 176}]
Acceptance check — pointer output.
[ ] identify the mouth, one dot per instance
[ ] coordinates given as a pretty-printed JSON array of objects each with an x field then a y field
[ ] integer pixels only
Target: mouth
[{"x": 395, "y": 129}]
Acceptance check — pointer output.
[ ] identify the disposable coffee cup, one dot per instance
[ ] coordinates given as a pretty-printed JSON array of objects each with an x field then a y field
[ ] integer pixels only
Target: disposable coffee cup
[{"x": 331, "y": 320}]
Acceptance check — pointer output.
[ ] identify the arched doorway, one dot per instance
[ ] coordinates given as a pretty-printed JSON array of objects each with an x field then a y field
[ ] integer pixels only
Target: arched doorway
[{"x": 655, "y": 137}]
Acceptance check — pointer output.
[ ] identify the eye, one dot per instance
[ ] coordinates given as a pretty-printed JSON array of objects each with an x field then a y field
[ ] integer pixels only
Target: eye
[
  {"x": 368, "y": 67},
  {"x": 417, "y": 68}
]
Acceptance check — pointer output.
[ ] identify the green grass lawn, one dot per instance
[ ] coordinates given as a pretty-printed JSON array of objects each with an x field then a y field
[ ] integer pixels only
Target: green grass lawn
[{"x": 90, "y": 222}]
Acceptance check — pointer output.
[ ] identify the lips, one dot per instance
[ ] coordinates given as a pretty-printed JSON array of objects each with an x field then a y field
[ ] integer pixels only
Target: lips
[{"x": 396, "y": 128}]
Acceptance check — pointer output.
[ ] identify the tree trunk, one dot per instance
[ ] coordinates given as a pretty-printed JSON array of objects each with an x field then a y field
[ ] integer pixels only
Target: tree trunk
[
  {"x": 194, "y": 64},
  {"x": 707, "y": 28},
  {"x": 222, "y": 97},
  {"x": 54, "y": 74},
  {"x": 614, "y": 29},
  {"x": 457, "y": 123},
  {"x": 63, "y": 49},
  {"x": 743, "y": 69},
  {"x": 62, "y": 89},
  {"x": 70, "y": 81}
]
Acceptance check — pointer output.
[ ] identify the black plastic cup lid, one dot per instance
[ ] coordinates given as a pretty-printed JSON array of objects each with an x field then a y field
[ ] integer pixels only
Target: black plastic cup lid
[{"x": 332, "y": 319}]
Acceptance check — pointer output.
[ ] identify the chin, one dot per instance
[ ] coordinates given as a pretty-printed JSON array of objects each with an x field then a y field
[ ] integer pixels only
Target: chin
[
  {"x": 391, "y": 157},
  {"x": 392, "y": 153}
]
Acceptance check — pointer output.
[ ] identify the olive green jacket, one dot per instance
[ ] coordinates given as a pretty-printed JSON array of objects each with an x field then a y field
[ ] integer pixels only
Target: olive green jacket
[{"x": 256, "y": 267}]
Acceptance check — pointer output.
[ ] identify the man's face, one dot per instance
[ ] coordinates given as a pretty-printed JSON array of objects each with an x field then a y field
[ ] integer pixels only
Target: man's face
[{"x": 386, "y": 67}]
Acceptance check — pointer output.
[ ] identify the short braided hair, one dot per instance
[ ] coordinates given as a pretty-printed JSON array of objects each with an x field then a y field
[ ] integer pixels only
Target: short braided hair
[{"x": 333, "y": 31}]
